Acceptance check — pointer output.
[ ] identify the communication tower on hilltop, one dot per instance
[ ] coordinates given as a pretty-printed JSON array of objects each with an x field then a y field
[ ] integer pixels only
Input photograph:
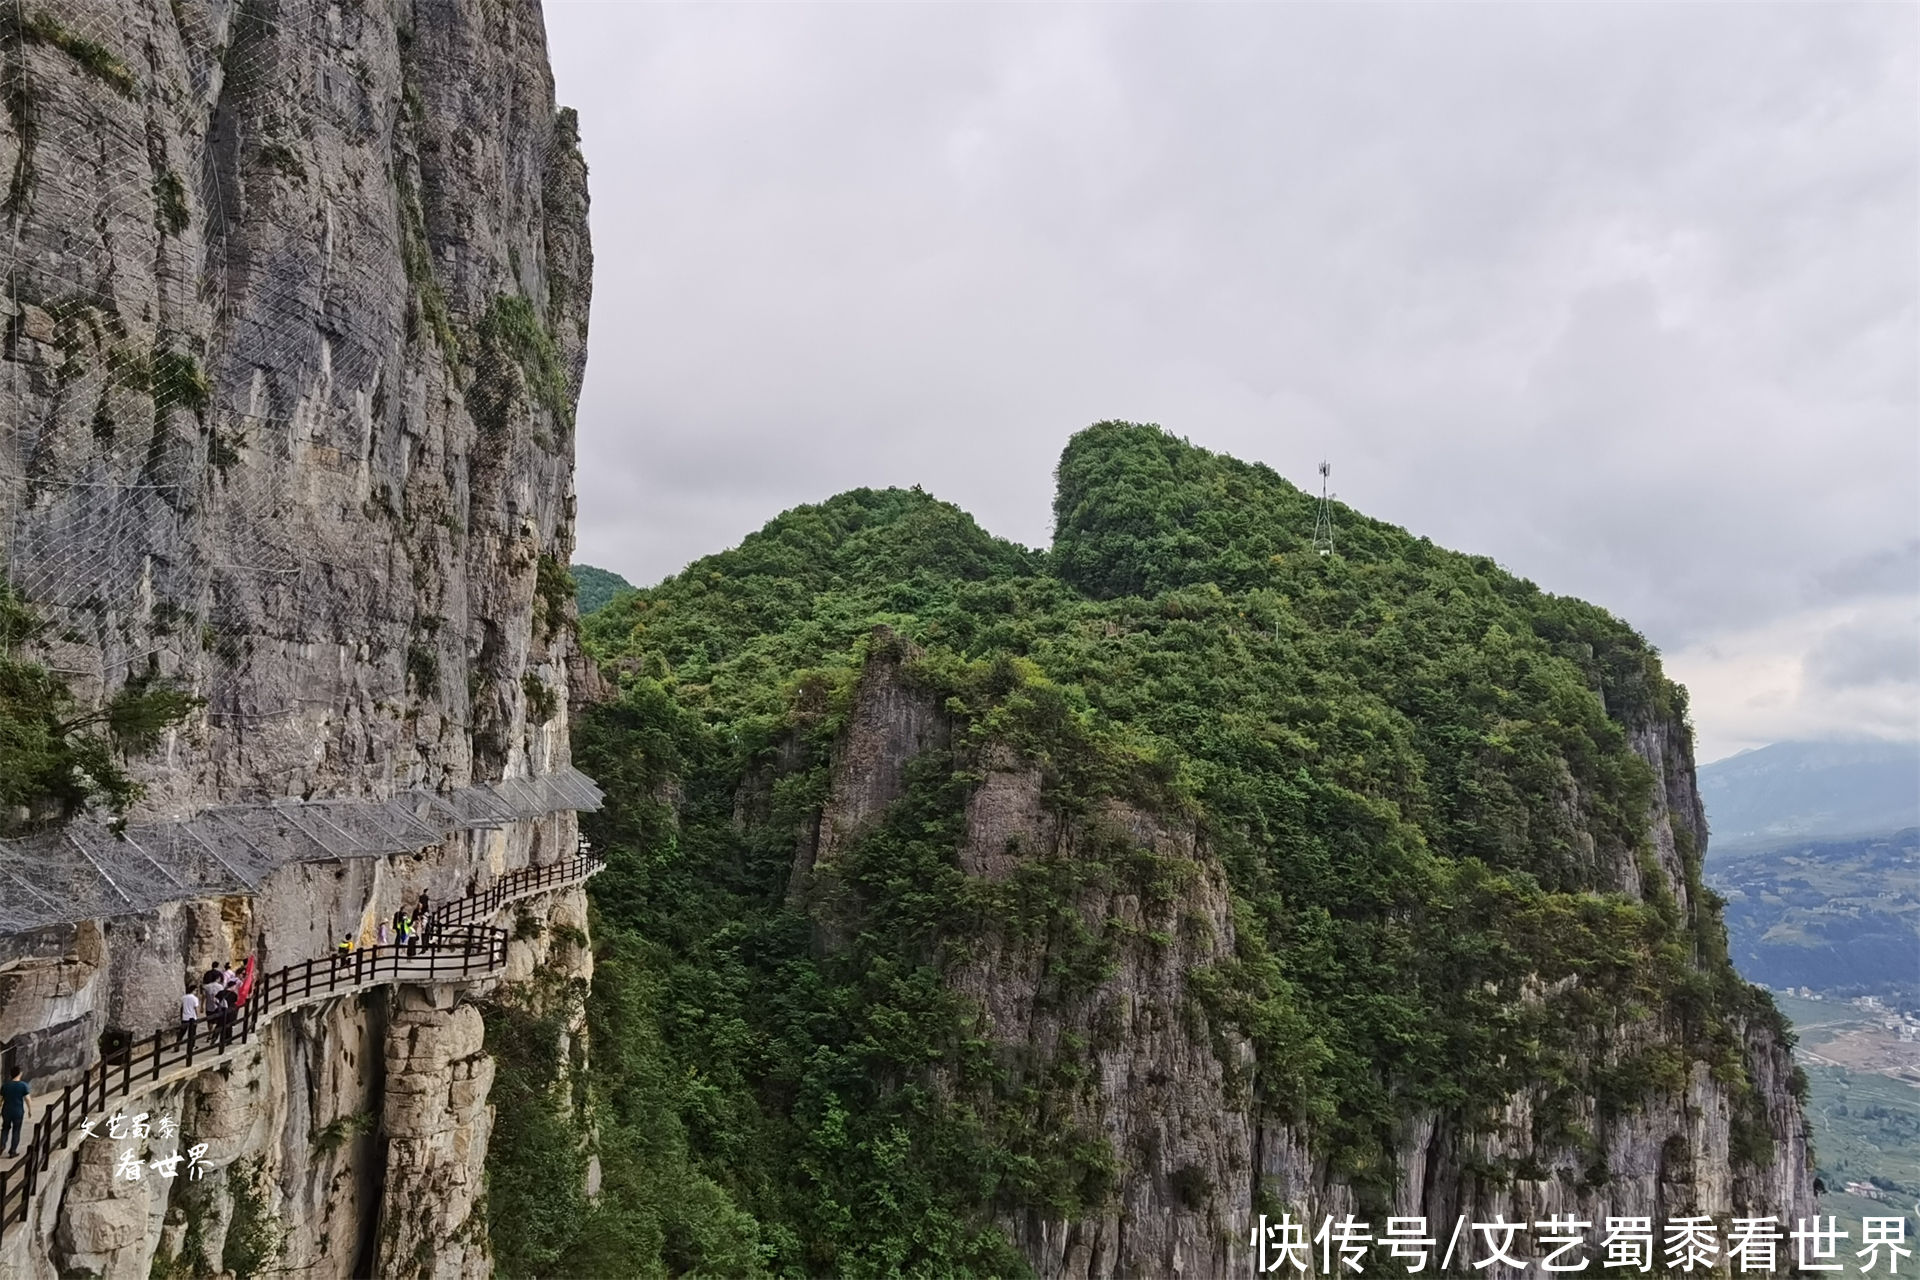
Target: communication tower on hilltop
[{"x": 1323, "y": 519}]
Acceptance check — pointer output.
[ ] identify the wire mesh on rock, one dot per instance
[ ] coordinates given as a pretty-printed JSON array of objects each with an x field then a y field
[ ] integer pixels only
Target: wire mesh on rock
[{"x": 85, "y": 870}]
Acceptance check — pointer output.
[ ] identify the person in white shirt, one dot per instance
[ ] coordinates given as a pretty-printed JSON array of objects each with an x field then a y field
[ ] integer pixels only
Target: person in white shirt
[{"x": 189, "y": 1018}]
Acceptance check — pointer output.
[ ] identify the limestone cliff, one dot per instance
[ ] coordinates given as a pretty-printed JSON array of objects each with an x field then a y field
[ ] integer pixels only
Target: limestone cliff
[
  {"x": 1199, "y": 1152},
  {"x": 295, "y": 306}
]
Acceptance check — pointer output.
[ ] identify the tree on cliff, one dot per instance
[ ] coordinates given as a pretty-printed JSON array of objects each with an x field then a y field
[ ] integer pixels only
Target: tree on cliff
[
  {"x": 57, "y": 756},
  {"x": 1415, "y": 774}
]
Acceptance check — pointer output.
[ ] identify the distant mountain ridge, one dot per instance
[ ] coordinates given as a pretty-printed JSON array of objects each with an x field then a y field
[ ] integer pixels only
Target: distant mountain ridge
[
  {"x": 1797, "y": 790},
  {"x": 593, "y": 588}
]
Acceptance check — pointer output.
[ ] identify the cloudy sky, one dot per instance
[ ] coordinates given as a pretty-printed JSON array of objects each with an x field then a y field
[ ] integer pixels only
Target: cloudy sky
[{"x": 1624, "y": 296}]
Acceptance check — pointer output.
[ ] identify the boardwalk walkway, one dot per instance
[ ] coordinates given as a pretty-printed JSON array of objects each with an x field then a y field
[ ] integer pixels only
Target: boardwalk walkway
[{"x": 460, "y": 950}]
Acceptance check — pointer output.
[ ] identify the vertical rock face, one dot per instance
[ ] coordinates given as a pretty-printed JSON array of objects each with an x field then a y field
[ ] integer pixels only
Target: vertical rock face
[
  {"x": 1198, "y": 1153},
  {"x": 437, "y": 1122},
  {"x": 311, "y": 300},
  {"x": 292, "y": 325},
  {"x": 1170, "y": 1099}
]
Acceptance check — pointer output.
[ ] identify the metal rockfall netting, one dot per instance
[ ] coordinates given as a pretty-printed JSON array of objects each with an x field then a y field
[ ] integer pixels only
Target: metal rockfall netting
[
  {"x": 125, "y": 433},
  {"x": 170, "y": 375},
  {"x": 85, "y": 871},
  {"x": 212, "y": 341},
  {"x": 202, "y": 342}
]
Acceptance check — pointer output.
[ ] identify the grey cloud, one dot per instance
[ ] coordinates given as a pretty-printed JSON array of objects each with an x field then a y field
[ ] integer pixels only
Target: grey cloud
[
  {"x": 1887, "y": 571},
  {"x": 1862, "y": 656},
  {"x": 1625, "y": 296}
]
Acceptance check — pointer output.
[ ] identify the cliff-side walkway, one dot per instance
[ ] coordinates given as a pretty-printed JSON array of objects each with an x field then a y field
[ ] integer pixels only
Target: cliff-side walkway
[{"x": 460, "y": 950}]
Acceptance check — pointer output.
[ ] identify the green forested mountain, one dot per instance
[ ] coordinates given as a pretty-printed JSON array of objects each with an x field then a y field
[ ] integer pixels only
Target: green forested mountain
[
  {"x": 1410, "y": 873},
  {"x": 594, "y": 588}
]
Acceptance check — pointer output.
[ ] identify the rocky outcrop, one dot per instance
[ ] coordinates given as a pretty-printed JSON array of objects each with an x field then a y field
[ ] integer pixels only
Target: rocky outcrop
[
  {"x": 1199, "y": 1155},
  {"x": 358, "y": 1127},
  {"x": 353, "y": 1135},
  {"x": 436, "y": 1120},
  {"x": 892, "y": 722},
  {"x": 1168, "y": 1093},
  {"x": 294, "y": 319}
]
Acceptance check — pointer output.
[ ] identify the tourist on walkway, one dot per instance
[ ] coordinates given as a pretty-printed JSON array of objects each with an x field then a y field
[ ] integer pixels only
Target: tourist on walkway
[
  {"x": 212, "y": 1008},
  {"x": 408, "y": 933},
  {"x": 189, "y": 1019},
  {"x": 226, "y": 1001},
  {"x": 13, "y": 1111}
]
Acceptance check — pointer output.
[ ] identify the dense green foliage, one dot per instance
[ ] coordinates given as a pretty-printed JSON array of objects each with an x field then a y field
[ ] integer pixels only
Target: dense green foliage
[
  {"x": 536, "y": 1181},
  {"x": 597, "y": 587},
  {"x": 56, "y": 756},
  {"x": 553, "y": 589},
  {"x": 1413, "y": 767},
  {"x": 657, "y": 1214}
]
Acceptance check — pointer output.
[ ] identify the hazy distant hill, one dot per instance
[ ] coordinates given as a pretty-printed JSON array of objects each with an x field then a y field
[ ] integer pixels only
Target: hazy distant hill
[
  {"x": 594, "y": 587},
  {"x": 1814, "y": 848},
  {"x": 1839, "y": 916},
  {"x": 1796, "y": 790}
]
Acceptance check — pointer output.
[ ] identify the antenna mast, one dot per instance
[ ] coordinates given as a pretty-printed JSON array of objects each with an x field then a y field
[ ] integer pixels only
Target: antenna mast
[{"x": 1323, "y": 518}]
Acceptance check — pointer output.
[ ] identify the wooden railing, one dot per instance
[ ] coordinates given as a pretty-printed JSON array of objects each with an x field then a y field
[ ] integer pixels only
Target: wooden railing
[
  {"x": 453, "y": 950},
  {"x": 520, "y": 884}
]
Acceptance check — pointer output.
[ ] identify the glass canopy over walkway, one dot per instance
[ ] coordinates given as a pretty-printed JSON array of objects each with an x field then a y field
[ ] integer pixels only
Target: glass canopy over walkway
[{"x": 85, "y": 871}]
